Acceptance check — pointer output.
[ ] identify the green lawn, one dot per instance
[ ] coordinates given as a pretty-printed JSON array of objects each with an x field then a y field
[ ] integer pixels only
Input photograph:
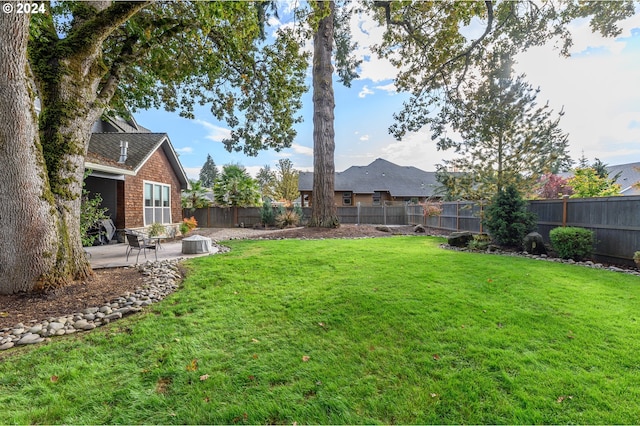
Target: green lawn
[{"x": 391, "y": 330}]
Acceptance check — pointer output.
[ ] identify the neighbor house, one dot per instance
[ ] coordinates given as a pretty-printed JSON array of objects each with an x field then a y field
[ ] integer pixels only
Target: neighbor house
[
  {"x": 374, "y": 184},
  {"x": 136, "y": 172},
  {"x": 628, "y": 176}
]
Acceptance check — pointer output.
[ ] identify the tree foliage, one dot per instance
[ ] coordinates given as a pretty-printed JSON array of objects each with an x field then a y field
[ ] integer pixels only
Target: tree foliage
[
  {"x": 88, "y": 58},
  {"x": 505, "y": 136},
  {"x": 552, "y": 186},
  {"x": 194, "y": 196},
  {"x": 236, "y": 188},
  {"x": 429, "y": 42},
  {"x": 266, "y": 179},
  {"x": 286, "y": 183},
  {"x": 587, "y": 182},
  {"x": 208, "y": 172},
  {"x": 507, "y": 218}
]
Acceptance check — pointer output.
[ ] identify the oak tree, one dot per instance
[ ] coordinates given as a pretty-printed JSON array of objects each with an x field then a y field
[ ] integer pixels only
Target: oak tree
[{"x": 86, "y": 58}]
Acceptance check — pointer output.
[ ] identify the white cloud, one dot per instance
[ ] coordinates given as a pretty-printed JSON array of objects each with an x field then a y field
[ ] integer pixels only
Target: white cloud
[
  {"x": 365, "y": 91},
  {"x": 598, "y": 96},
  {"x": 390, "y": 88},
  {"x": 366, "y": 32},
  {"x": 193, "y": 172},
  {"x": 215, "y": 133},
  {"x": 302, "y": 150},
  {"x": 416, "y": 149},
  {"x": 185, "y": 150},
  {"x": 364, "y": 137}
]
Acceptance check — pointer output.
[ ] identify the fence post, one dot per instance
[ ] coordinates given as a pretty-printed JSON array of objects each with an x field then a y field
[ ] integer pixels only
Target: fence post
[
  {"x": 384, "y": 211},
  {"x": 457, "y": 216},
  {"x": 358, "y": 212},
  {"x": 565, "y": 204},
  {"x": 481, "y": 214}
]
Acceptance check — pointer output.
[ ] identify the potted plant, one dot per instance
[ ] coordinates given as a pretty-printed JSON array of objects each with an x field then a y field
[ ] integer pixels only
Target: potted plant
[
  {"x": 636, "y": 258},
  {"x": 156, "y": 229}
]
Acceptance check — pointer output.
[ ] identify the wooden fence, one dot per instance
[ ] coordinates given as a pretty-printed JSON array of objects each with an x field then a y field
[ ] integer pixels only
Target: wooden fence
[
  {"x": 220, "y": 217},
  {"x": 614, "y": 220}
]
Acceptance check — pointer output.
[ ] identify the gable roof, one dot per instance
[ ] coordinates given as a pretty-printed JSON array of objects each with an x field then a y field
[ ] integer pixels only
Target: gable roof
[
  {"x": 380, "y": 176},
  {"x": 104, "y": 152},
  {"x": 629, "y": 175}
]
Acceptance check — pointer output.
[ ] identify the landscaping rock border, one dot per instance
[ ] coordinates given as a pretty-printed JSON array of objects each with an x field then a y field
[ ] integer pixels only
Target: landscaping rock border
[
  {"x": 161, "y": 279},
  {"x": 587, "y": 263}
]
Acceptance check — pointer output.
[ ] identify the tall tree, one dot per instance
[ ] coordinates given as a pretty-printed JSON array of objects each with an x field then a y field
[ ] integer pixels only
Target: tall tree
[
  {"x": 208, "y": 172},
  {"x": 29, "y": 241},
  {"x": 286, "y": 185},
  {"x": 505, "y": 137},
  {"x": 329, "y": 27},
  {"x": 267, "y": 180},
  {"x": 88, "y": 56}
]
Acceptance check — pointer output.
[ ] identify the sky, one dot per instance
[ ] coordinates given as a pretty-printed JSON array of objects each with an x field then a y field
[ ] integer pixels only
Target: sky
[{"x": 598, "y": 87}]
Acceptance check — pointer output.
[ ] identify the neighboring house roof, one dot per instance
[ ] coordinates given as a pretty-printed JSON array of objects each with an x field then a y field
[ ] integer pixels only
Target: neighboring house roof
[
  {"x": 104, "y": 152},
  {"x": 629, "y": 175},
  {"x": 380, "y": 176}
]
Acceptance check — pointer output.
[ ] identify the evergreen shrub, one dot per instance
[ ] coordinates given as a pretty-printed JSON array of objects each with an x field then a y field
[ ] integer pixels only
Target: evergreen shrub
[
  {"x": 572, "y": 243},
  {"x": 507, "y": 218}
]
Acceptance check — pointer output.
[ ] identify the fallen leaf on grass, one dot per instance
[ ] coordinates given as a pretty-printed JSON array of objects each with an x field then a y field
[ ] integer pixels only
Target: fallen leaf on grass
[
  {"x": 321, "y": 324},
  {"x": 436, "y": 357},
  {"x": 193, "y": 365},
  {"x": 562, "y": 398},
  {"x": 255, "y": 356},
  {"x": 204, "y": 377},
  {"x": 54, "y": 379},
  {"x": 433, "y": 395},
  {"x": 489, "y": 280},
  {"x": 255, "y": 340},
  {"x": 305, "y": 358}
]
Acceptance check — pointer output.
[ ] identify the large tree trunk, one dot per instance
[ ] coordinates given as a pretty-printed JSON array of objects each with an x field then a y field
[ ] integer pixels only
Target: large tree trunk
[
  {"x": 323, "y": 208},
  {"x": 69, "y": 73},
  {"x": 27, "y": 213}
]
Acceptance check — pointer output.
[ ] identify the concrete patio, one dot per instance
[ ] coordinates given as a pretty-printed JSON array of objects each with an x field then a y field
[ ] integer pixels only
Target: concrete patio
[{"x": 114, "y": 255}]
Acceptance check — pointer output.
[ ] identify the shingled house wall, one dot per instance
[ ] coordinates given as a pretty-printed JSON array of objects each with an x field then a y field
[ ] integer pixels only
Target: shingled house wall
[{"x": 157, "y": 169}]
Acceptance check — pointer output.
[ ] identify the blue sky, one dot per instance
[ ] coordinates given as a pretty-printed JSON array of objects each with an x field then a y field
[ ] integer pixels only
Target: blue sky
[{"x": 598, "y": 86}]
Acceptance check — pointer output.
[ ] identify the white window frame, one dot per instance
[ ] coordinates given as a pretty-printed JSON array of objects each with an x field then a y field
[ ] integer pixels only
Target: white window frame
[{"x": 160, "y": 212}]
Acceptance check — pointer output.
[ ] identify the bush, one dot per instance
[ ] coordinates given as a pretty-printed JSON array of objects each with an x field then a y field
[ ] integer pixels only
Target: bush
[
  {"x": 287, "y": 218},
  {"x": 188, "y": 224},
  {"x": 572, "y": 243},
  {"x": 267, "y": 215},
  {"x": 156, "y": 229},
  {"x": 507, "y": 218}
]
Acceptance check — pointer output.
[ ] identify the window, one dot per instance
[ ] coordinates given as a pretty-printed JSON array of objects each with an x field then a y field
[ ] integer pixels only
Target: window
[
  {"x": 157, "y": 203},
  {"x": 346, "y": 198},
  {"x": 376, "y": 198}
]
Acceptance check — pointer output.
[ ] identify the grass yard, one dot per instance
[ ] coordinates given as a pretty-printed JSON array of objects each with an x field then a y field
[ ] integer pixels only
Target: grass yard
[{"x": 390, "y": 330}]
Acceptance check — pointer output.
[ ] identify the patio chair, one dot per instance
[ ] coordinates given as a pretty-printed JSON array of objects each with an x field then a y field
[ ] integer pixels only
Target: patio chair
[{"x": 137, "y": 242}]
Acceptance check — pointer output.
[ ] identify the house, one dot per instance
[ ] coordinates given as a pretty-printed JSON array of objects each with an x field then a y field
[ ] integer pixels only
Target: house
[
  {"x": 136, "y": 172},
  {"x": 374, "y": 184}
]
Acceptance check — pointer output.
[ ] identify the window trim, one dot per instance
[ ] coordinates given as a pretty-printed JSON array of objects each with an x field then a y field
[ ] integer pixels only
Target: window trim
[
  {"x": 153, "y": 207},
  {"x": 347, "y": 198}
]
